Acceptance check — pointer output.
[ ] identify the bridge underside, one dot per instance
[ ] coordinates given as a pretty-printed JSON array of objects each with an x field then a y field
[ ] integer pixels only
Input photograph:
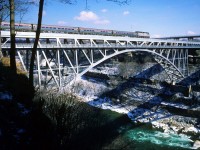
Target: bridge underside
[{"x": 61, "y": 67}]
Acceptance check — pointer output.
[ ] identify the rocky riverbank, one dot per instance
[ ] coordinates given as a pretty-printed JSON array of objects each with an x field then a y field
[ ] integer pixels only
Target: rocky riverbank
[
  {"x": 169, "y": 108},
  {"x": 162, "y": 115}
]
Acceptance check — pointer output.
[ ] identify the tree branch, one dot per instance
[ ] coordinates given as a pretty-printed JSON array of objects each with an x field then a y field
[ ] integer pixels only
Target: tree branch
[
  {"x": 68, "y": 1},
  {"x": 121, "y": 2}
]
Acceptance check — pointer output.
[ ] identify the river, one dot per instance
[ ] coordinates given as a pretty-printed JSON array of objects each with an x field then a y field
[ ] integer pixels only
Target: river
[
  {"x": 134, "y": 136},
  {"x": 146, "y": 138}
]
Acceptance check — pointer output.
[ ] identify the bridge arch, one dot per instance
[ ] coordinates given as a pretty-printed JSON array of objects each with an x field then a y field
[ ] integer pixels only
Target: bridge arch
[{"x": 134, "y": 50}]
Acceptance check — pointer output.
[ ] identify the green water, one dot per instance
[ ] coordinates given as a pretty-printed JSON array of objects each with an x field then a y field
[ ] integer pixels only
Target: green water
[
  {"x": 145, "y": 138},
  {"x": 126, "y": 135}
]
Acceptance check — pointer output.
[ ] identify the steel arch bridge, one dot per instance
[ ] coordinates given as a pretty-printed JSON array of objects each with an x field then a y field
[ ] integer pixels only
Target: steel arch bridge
[{"x": 61, "y": 58}]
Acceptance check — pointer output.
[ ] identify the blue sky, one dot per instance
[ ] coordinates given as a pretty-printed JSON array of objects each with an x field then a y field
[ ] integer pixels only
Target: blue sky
[{"x": 158, "y": 17}]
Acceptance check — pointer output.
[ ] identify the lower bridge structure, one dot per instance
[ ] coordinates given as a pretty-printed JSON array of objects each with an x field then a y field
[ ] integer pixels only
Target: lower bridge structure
[{"x": 62, "y": 58}]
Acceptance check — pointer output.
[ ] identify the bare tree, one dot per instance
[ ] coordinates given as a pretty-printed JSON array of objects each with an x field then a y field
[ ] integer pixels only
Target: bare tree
[
  {"x": 12, "y": 36},
  {"x": 4, "y": 13},
  {"x": 4, "y": 10},
  {"x": 121, "y": 2},
  {"x": 10, "y": 9},
  {"x": 69, "y": 1},
  {"x": 41, "y": 4}
]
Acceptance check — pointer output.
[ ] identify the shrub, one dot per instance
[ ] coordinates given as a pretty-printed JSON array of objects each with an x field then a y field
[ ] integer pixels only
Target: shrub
[
  {"x": 68, "y": 115},
  {"x": 75, "y": 124}
]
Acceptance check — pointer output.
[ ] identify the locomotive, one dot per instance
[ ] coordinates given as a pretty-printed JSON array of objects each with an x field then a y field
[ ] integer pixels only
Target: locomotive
[{"x": 73, "y": 30}]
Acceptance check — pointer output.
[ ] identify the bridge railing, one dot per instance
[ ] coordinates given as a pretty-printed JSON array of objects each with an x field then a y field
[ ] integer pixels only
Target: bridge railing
[{"x": 72, "y": 46}]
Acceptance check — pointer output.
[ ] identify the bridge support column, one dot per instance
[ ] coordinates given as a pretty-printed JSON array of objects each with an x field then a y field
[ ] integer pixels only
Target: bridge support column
[
  {"x": 59, "y": 68},
  {"x": 38, "y": 68},
  {"x": 76, "y": 59}
]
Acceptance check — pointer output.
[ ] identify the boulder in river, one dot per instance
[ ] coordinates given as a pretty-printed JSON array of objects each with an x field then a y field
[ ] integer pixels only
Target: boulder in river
[
  {"x": 191, "y": 130},
  {"x": 196, "y": 144}
]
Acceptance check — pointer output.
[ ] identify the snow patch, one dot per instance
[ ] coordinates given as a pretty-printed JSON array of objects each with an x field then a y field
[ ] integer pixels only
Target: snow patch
[
  {"x": 6, "y": 96},
  {"x": 24, "y": 111}
]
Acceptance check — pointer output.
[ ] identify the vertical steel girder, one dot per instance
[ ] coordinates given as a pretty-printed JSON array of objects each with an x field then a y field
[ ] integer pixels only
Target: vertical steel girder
[{"x": 175, "y": 62}]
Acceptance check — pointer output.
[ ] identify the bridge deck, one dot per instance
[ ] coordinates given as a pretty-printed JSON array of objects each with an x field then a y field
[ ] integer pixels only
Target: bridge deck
[{"x": 96, "y": 41}]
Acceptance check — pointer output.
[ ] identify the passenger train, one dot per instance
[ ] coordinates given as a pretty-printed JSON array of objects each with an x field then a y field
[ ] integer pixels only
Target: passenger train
[{"x": 73, "y": 30}]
